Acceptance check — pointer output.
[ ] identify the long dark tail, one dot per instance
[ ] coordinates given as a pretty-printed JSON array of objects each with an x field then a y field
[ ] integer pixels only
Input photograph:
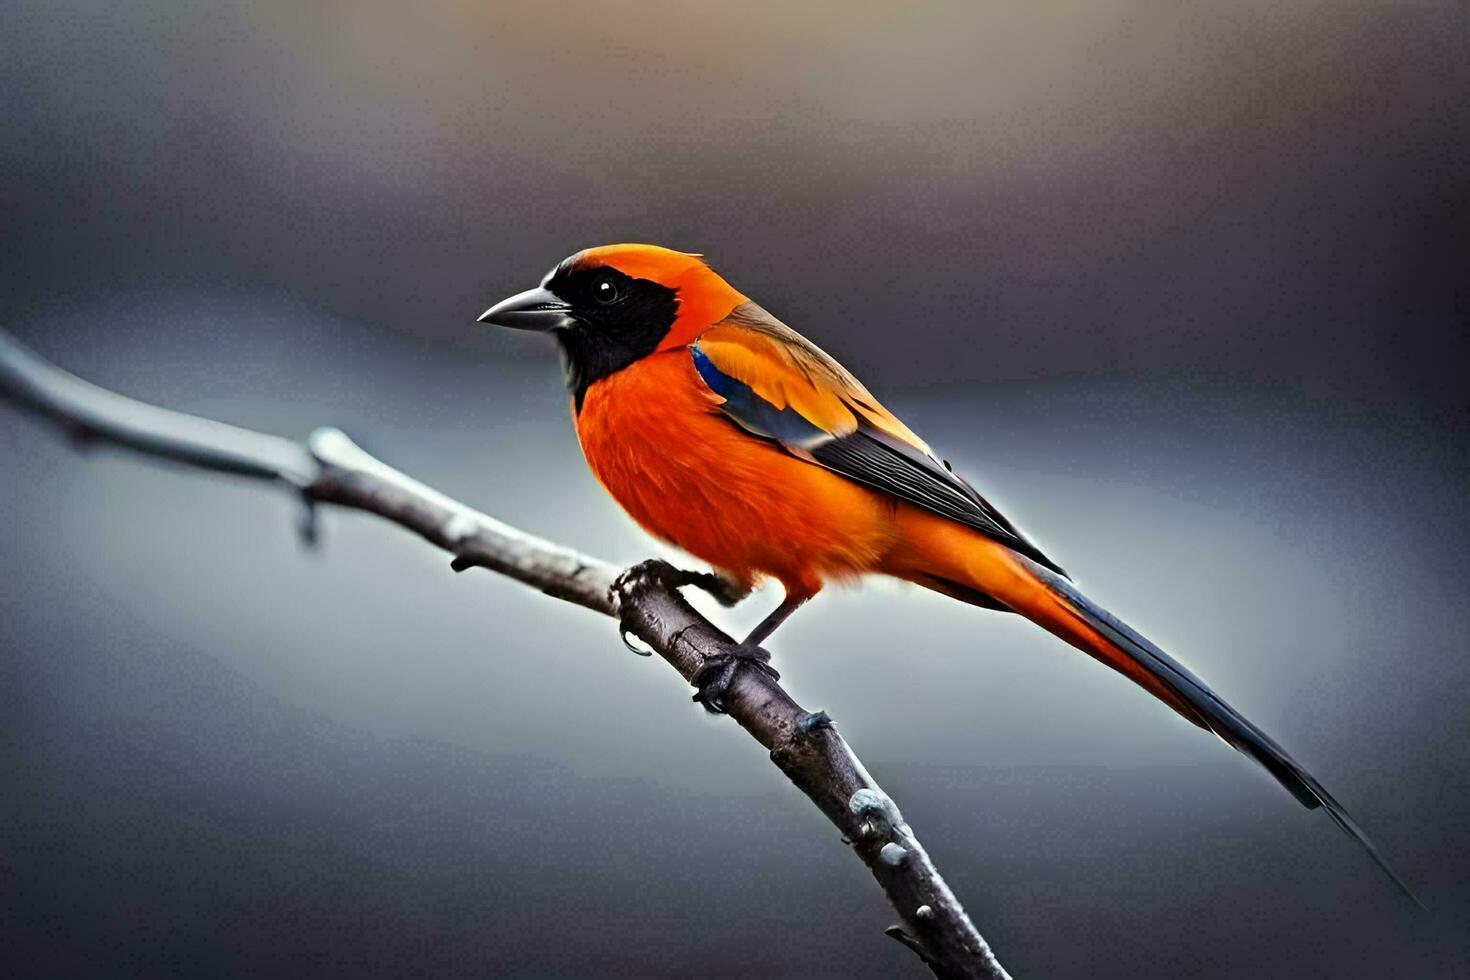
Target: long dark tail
[
  {"x": 1211, "y": 711},
  {"x": 960, "y": 562}
]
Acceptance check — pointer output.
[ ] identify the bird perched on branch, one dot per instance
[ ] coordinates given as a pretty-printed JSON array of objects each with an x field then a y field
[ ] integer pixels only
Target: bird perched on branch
[{"x": 728, "y": 434}]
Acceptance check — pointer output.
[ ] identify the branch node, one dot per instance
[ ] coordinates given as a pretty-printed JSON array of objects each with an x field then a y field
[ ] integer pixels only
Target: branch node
[
  {"x": 893, "y": 855},
  {"x": 878, "y": 813},
  {"x": 458, "y": 528},
  {"x": 924, "y": 913},
  {"x": 329, "y": 444},
  {"x": 460, "y": 563},
  {"x": 808, "y": 722}
]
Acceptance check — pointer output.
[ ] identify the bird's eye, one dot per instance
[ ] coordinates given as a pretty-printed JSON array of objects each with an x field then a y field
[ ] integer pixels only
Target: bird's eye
[{"x": 607, "y": 291}]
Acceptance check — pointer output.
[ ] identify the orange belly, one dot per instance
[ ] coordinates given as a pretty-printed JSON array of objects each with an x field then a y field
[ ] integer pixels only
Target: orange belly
[{"x": 655, "y": 437}]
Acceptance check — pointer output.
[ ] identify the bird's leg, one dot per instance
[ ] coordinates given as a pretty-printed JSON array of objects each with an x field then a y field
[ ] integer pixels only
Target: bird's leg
[
  {"x": 713, "y": 678},
  {"x": 779, "y": 615}
]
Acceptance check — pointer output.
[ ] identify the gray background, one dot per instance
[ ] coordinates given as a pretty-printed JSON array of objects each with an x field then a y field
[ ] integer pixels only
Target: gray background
[{"x": 1180, "y": 287}]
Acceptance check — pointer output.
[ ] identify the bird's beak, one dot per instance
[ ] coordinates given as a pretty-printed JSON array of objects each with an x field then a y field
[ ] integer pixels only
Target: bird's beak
[{"x": 535, "y": 309}]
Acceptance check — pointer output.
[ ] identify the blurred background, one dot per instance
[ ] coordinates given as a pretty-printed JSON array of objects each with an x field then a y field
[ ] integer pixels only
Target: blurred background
[{"x": 1181, "y": 287}]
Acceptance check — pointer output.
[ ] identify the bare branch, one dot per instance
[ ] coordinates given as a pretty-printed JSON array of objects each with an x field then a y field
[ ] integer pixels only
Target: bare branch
[
  {"x": 89, "y": 412},
  {"x": 330, "y": 468}
]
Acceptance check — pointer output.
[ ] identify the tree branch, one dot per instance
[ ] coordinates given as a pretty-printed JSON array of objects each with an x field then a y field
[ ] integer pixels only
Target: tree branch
[{"x": 330, "y": 468}]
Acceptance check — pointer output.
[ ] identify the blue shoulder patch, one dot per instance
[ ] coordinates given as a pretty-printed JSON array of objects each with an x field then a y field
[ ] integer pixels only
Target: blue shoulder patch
[{"x": 752, "y": 412}]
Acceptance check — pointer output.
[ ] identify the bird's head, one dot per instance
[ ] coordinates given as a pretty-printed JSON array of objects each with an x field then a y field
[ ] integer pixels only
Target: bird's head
[{"x": 612, "y": 305}]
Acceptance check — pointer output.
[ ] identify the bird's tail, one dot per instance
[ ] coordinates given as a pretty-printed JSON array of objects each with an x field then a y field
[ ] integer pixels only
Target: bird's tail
[{"x": 959, "y": 562}]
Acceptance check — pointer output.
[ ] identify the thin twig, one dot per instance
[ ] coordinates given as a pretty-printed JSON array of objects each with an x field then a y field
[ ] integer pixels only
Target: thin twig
[{"x": 330, "y": 468}]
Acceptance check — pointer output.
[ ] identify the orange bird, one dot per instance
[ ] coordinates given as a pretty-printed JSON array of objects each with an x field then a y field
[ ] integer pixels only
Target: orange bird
[{"x": 728, "y": 434}]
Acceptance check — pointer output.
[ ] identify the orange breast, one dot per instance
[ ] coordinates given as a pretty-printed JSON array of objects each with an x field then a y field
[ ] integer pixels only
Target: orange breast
[{"x": 654, "y": 436}]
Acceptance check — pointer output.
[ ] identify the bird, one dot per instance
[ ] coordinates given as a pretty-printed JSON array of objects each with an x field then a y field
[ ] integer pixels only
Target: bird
[{"x": 724, "y": 432}]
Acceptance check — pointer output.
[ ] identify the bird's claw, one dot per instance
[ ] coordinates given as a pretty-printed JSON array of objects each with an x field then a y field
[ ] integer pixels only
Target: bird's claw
[
  {"x": 656, "y": 570},
  {"x": 715, "y": 675},
  {"x": 724, "y": 591},
  {"x": 713, "y": 678}
]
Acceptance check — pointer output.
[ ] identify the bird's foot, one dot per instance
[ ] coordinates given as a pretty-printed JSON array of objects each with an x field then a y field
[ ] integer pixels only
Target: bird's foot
[
  {"x": 659, "y": 574},
  {"x": 725, "y": 591},
  {"x": 715, "y": 675},
  {"x": 713, "y": 678}
]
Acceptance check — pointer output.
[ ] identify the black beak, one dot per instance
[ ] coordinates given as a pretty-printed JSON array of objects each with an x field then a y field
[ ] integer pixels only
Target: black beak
[{"x": 535, "y": 309}]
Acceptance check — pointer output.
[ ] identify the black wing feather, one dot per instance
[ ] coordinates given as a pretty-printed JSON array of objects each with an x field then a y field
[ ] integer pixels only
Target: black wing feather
[
  {"x": 872, "y": 457},
  {"x": 868, "y": 456}
]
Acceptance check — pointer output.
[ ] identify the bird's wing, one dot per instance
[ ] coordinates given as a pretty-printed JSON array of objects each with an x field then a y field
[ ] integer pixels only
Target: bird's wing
[{"x": 778, "y": 385}]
